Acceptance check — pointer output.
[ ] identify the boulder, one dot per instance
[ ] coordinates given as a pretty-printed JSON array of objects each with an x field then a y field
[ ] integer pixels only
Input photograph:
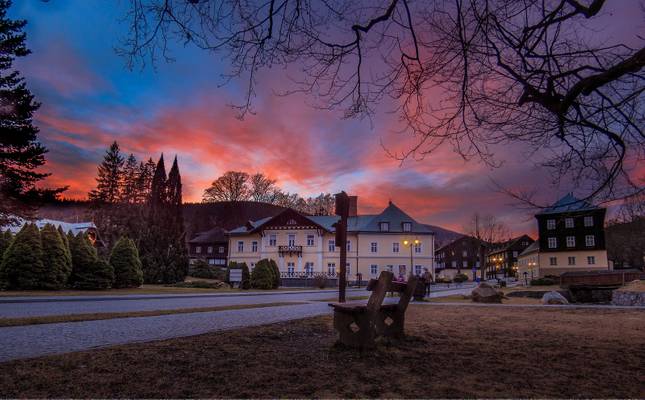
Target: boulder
[
  {"x": 554, "y": 297},
  {"x": 485, "y": 293}
]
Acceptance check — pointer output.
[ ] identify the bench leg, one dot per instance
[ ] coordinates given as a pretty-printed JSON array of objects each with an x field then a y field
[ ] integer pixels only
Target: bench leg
[
  {"x": 390, "y": 324},
  {"x": 362, "y": 336}
]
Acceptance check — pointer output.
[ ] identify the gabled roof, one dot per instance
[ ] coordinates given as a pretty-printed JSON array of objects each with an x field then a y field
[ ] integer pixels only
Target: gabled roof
[
  {"x": 75, "y": 227},
  {"x": 361, "y": 223},
  {"x": 507, "y": 244},
  {"x": 568, "y": 203},
  {"x": 210, "y": 236},
  {"x": 459, "y": 239},
  {"x": 534, "y": 247}
]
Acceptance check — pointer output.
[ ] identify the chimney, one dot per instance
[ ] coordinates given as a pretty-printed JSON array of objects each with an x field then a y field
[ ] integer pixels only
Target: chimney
[{"x": 353, "y": 206}]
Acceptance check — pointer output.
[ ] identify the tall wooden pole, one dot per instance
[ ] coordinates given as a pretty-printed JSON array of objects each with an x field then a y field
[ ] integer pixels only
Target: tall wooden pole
[{"x": 342, "y": 210}]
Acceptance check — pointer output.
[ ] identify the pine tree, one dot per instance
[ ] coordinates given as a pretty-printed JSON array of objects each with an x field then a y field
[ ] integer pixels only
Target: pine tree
[
  {"x": 88, "y": 271},
  {"x": 22, "y": 266},
  {"x": 130, "y": 192},
  {"x": 20, "y": 152},
  {"x": 55, "y": 259},
  {"x": 127, "y": 266},
  {"x": 109, "y": 181},
  {"x": 145, "y": 174}
]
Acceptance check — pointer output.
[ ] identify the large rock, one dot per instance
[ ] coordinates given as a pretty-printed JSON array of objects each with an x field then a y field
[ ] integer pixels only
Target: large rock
[
  {"x": 485, "y": 293},
  {"x": 554, "y": 297},
  {"x": 632, "y": 294}
]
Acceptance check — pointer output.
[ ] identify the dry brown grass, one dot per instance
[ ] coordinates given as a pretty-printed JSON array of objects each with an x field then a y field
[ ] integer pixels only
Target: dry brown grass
[
  {"x": 451, "y": 352},
  {"x": 51, "y": 319},
  {"x": 457, "y": 298}
]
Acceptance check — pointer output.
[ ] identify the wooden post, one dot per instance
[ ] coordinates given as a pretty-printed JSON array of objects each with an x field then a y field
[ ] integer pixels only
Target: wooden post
[{"x": 342, "y": 210}]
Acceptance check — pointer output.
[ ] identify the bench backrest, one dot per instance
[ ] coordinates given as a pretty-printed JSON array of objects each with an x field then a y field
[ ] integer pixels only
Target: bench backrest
[
  {"x": 384, "y": 284},
  {"x": 379, "y": 289}
]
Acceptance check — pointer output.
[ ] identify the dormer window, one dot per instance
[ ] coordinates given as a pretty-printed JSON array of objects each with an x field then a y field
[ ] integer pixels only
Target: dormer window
[
  {"x": 384, "y": 226},
  {"x": 407, "y": 226}
]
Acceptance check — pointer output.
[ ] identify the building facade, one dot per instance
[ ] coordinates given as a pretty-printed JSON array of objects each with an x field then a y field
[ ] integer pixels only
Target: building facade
[
  {"x": 502, "y": 259},
  {"x": 572, "y": 238},
  {"x": 460, "y": 256},
  {"x": 305, "y": 245},
  {"x": 210, "y": 246}
]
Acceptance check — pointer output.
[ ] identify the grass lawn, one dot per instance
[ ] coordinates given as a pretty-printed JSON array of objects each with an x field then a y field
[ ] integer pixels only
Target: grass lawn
[
  {"x": 97, "y": 316},
  {"x": 457, "y": 298},
  {"x": 450, "y": 352}
]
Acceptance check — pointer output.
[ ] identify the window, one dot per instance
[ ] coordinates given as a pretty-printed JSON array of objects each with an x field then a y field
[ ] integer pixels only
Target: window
[
  {"x": 209, "y": 249},
  {"x": 331, "y": 269},
  {"x": 240, "y": 246},
  {"x": 390, "y": 268},
  {"x": 211, "y": 261},
  {"x": 590, "y": 240},
  {"x": 417, "y": 270},
  {"x": 589, "y": 221},
  {"x": 454, "y": 264},
  {"x": 374, "y": 269},
  {"x": 407, "y": 226},
  {"x": 198, "y": 249},
  {"x": 349, "y": 246},
  {"x": 332, "y": 245},
  {"x": 591, "y": 260},
  {"x": 553, "y": 243},
  {"x": 464, "y": 253},
  {"x": 550, "y": 224},
  {"x": 273, "y": 240},
  {"x": 395, "y": 247},
  {"x": 384, "y": 226},
  {"x": 254, "y": 246},
  {"x": 291, "y": 239},
  {"x": 402, "y": 269},
  {"x": 348, "y": 269},
  {"x": 309, "y": 268},
  {"x": 417, "y": 248},
  {"x": 310, "y": 240},
  {"x": 464, "y": 264},
  {"x": 553, "y": 260},
  {"x": 291, "y": 268},
  {"x": 571, "y": 241},
  {"x": 221, "y": 249},
  {"x": 568, "y": 222},
  {"x": 374, "y": 247},
  {"x": 220, "y": 261},
  {"x": 571, "y": 260}
]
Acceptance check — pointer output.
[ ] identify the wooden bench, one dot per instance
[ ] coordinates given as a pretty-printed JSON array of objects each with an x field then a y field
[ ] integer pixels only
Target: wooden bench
[{"x": 360, "y": 324}]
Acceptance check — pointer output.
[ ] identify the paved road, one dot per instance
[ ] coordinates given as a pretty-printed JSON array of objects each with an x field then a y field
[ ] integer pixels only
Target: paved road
[
  {"x": 15, "y": 307},
  {"x": 38, "y": 340}
]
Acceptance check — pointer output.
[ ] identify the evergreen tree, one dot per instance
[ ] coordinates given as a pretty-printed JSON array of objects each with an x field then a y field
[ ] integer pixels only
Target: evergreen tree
[
  {"x": 22, "y": 266},
  {"x": 88, "y": 271},
  {"x": 55, "y": 259},
  {"x": 5, "y": 241},
  {"x": 276, "y": 273},
  {"x": 262, "y": 276},
  {"x": 127, "y": 266},
  {"x": 65, "y": 240},
  {"x": 20, "y": 152},
  {"x": 144, "y": 185},
  {"x": 110, "y": 177},
  {"x": 130, "y": 192},
  {"x": 246, "y": 276},
  {"x": 178, "y": 253}
]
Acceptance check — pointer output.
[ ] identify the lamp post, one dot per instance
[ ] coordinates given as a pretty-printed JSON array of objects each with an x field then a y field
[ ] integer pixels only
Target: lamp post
[{"x": 411, "y": 243}]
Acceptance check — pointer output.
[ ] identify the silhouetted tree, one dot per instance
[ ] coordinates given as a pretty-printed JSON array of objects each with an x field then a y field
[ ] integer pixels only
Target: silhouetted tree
[
  {"x": 109, "y": 181},
  {"x": 20, "y": 152},
  {"x": 130, "y": 190},
  {"x": 262, "y": 188},
  {"x": 232, "y": 186}
]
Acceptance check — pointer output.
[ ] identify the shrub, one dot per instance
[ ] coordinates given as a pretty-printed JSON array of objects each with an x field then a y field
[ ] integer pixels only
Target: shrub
[
  {"x": 276, "y": 274},
  {"x": 246, "y": 277},
  {"x": 126, "y": 263},
  {"x": 201, "y": 269},
  {"x": 22, "y": 266},
  {"x": 320, "y": 281},
  {"x": 262, "y": 276},
  {"x": 200, "y": 285},
  {"x": 459, "y": 278},
  {"x": 542, "y": 282},
  {"x": 5, "y": 241},
  {"x": 56, "y": 258}
]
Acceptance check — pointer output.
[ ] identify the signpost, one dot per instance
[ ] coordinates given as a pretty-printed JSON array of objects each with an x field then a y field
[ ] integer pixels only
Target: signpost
[
  {"x": 342, "y": 210},
  {"x": 235, "y": 276}
]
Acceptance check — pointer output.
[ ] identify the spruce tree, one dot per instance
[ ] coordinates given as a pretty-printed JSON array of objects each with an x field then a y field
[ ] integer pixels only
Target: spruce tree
[
  {"x": 110, "y": 177},
  {"x": 22, "y": 266},
  {"x": 20, "y": 152},
  {"x": 5, "y": 241},
  {"x": 88, "y": 271},
  {"x": 126, "y": 263},
  {"x": 57, "y": 265},
  {"x": 130, "y": 192}
]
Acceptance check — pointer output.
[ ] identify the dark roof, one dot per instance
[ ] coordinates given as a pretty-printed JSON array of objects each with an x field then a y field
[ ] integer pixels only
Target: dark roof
[
  {"x": 568, "y": 203},
  {"x": 507, "y": 244},
  {"x": 361, "y": 223},
  {"x": 533, "y": 248},
  {"x": 210, "y": 236},
  {"x": 459, "y": 239}
]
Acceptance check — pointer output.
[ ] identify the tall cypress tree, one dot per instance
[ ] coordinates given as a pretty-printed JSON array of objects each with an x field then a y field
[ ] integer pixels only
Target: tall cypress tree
[
  {"x": 178, "y": 254},
  {"x": 154, "y": 241},
  {"x": 20, "y": 152}
]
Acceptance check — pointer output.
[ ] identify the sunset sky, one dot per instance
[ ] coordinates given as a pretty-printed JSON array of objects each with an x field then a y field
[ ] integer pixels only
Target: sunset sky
[{"x": 90, "y": 99}]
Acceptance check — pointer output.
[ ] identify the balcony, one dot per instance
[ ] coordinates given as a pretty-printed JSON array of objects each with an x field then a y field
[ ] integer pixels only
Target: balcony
[{"x": 290, "y": 250}]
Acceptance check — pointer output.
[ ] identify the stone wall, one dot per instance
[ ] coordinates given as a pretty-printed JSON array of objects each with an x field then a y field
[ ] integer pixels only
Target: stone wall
[{"x": 626, "y": 298}]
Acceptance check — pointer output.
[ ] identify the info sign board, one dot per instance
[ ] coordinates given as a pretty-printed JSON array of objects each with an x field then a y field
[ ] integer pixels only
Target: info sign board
[{"x": 235, "y": 276}]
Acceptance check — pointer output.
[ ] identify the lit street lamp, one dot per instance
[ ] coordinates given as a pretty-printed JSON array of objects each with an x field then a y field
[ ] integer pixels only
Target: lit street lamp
[{"x": 411, "y": 243}]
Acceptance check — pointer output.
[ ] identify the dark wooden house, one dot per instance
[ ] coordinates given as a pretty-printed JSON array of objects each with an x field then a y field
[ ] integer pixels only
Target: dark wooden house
[
  {"x": 501, "y": 260},
  {"x": 210, "y": 246},
  {"x": 459, "y": 256}
]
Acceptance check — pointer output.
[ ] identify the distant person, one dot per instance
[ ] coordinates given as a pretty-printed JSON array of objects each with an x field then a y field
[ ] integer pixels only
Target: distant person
[
  {"x": 401, "y": 277},
  {"x": 427, "y": 280}
]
